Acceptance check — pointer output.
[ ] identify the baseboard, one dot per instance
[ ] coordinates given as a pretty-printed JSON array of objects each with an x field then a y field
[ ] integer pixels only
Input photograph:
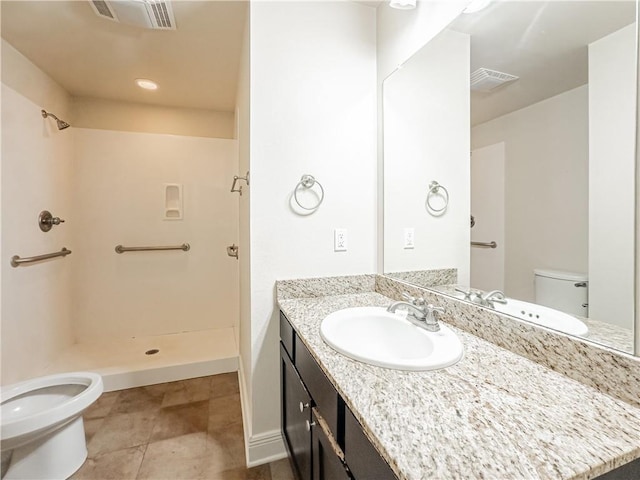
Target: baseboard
[
  {"x": 265, "y": 447},
  {"x": 245, "y": 406},
  {"x": 262, "y": 448}
]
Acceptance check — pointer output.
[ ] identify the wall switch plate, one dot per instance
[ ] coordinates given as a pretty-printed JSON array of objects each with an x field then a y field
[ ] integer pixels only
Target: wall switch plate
[
  {"x": 409, "y": 236},
  {"x": 340, "y": 240}
]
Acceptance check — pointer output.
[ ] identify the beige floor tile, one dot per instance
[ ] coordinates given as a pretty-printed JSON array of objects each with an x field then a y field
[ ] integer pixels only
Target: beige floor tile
[
  {"x": 224, "y": 411},
  {"x": 117, "y": 465},
  {"x": 181, "y": 420},
  {"x": 91, "y": 427},
  {"x": 187, "y": 430},
  {"x": 176, "y": 458},
  {"x": 123, "y": 430},
  {"x": 187, "y": 391},
  {"x": 256, "y": 473},
  {"x": 102, "y": 407},
  {"x": 224, "y": 385},
  {"x": 281, "y": 470},
  {"x": 139, "y": 399},
  {"x": 225, "y": 448}
]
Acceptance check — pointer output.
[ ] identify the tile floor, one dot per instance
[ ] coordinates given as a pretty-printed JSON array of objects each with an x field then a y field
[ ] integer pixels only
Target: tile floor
[{"x": 186, "y": 430}]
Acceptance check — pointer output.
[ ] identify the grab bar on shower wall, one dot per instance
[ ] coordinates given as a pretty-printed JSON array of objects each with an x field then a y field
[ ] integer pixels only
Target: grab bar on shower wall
[
  {"x": 484, "y": 244},
  {"x": 16, "y": 261},
  {"x": 120, "y": 249}
]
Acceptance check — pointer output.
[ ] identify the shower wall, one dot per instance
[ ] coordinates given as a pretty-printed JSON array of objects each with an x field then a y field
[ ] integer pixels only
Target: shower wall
[
  {"x": 119, "y": 199},
  {"x": 107, "y": 185},
  {"x": 36, "y": 175}
]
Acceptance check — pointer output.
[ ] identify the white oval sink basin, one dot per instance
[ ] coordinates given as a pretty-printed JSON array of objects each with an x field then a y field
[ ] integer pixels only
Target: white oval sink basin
[
  {"x": 374, "y": 336},
  {"x": 544, "y": 316}
]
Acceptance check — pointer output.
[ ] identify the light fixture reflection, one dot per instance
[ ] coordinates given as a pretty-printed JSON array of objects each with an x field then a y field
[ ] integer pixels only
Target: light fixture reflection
[
  {"x": 146, "y": 84},
  {"x": 403, "y": 4}
]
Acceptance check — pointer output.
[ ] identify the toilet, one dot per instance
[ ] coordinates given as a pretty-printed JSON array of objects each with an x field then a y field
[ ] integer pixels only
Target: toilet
[
  {"x": 564, "y": 291},
  {"x": 41, "y": 424}
]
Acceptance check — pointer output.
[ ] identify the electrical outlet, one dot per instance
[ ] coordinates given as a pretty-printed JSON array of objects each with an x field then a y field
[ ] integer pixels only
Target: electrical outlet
[
  {"x": 409, "y": 235},
  {"x": 340, "y": 240}
]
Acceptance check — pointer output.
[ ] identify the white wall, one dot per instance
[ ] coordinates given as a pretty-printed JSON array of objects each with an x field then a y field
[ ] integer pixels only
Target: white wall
[
  {"x": 487, "y": 207},
  {"x": 36, "y": 175},
  {"x": 426, "y": 138},
  {"x": 612, "y": 112},
  {"x": 244, "y": 234},
  {"x": 546, "y": 148},
  {"x": 399, "y": 35},
  {"x": 137, "y": 117},
  {"x": 313, "y": 111},
  {"x": 119, "y": 199}
]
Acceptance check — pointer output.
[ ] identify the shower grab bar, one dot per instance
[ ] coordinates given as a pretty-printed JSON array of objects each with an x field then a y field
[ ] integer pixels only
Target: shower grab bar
[
  {"x": 16, "y": 261},
  {"x": 120, "y": 249},
  {"x": 484, "y": 244}
]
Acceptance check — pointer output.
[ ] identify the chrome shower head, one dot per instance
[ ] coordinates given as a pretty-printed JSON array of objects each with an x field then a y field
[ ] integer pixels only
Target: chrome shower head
[{"x": 61, "y": 123}]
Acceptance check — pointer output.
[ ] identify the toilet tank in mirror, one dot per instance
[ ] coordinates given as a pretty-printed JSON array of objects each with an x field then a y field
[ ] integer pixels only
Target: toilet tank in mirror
[{"x": 525, "y": 112}]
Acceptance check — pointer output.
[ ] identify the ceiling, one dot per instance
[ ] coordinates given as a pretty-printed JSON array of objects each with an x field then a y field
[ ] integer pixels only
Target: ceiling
[
  {"x": 196, "y": 65},
  {"x": 542, "y": 42}
]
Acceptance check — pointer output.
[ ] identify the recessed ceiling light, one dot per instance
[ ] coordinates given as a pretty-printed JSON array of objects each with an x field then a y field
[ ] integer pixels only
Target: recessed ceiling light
[
  {"x": 403, "y": 4},
  {"x": 146, "y": 84}
]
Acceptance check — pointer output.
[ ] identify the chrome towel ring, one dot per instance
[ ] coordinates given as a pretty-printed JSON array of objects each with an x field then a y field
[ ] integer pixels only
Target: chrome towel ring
[
  {"x": 437, "y": 190},
  {"x": 307, "y": 182}
]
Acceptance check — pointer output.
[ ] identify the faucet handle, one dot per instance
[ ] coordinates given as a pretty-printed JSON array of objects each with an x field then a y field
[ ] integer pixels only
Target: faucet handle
[
  {"x": 419, "y": 302},
  {"x": 466, "y": 293},
  {"x": 408, "y": 297},
  {"x": 430, "y": 317},
  {"x": 431, "y": 309}
]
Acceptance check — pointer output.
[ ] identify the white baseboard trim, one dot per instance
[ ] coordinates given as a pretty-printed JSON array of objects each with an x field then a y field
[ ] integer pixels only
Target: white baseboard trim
[
  {"x": 246, "y": 409},
  {"x": 265, "y": 447},
  {"x": 262, "y": 448}
]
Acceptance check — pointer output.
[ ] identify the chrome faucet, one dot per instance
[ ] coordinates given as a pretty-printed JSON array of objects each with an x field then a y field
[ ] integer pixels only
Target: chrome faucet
[
  {"x": 494, "y": 296},
  {"x": 419, "y": 313},
  {"x": 468, "y": 294}
]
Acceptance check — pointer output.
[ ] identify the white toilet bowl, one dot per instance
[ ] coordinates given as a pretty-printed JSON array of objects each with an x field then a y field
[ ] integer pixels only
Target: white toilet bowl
[{"x": 41, "y": 422}]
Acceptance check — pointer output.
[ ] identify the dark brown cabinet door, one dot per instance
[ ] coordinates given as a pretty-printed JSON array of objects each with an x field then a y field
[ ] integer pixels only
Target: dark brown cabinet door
[
  {"x": 296, "y": 417},
  {"x": 326, "y": 463},
  {"x": 363, "y": 459}
]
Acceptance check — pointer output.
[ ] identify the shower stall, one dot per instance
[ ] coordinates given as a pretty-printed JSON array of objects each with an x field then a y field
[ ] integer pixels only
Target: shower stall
[{"x": 136, "y": 316}]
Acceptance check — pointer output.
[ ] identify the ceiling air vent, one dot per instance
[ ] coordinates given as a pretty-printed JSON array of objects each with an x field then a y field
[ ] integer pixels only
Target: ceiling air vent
[
  {"x": 162, "y": 14},
  {"x": 485, "y": 80},
  {"x": 102, "y": 9},
  {"x": 152, "y": 14}
]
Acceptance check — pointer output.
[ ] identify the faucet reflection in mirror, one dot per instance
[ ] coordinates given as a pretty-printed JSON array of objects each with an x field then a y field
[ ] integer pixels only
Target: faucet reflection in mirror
[{"x": 551, "y": 175}]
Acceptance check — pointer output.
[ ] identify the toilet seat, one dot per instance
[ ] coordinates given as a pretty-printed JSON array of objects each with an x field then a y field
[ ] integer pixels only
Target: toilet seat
[
  {"x": 42, "y": 415},
  {"x": 41, "y": 424}
]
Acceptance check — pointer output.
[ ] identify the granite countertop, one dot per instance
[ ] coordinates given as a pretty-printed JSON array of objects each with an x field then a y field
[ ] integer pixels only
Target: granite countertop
[
  {"x": 603, "y": 333},
  {"x": 493, "y": 415}
]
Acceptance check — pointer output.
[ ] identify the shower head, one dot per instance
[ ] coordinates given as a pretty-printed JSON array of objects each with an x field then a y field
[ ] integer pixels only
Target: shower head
[{"x": 61, "y": 123}]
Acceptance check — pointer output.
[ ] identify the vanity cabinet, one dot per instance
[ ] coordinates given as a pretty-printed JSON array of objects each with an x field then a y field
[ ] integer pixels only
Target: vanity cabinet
[
  {"x": 296, "y": 416},
  {"x": 316, "y": 424},
  {"x": 328, "y": 463},
  {"x": 362, "y": 458}
]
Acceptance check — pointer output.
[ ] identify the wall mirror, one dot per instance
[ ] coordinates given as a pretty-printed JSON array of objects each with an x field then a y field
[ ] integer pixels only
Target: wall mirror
[{"x": 524, "y": 116}]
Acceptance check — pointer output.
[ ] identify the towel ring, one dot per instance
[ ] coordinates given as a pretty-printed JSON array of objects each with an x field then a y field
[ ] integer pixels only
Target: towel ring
[
  {"x": 434, "y": 189},
  {"x": 307, "y": 181}
]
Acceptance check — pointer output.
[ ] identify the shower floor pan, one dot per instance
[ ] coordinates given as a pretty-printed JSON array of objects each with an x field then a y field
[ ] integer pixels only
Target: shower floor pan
[{"x": 134, "y": 362}]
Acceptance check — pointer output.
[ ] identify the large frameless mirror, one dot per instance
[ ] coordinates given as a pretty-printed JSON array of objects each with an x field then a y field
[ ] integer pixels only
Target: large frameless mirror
[{"x": 509, "y": 165}]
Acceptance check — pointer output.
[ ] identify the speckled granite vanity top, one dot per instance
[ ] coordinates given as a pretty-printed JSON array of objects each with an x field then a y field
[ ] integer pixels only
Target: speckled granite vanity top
[{"x": 494, "y": 415}]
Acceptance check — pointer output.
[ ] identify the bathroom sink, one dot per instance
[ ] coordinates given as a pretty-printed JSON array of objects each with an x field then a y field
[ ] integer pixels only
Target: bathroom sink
[
  {"x": 374, "y": 336},
  {"x": 544, "y": 316}
]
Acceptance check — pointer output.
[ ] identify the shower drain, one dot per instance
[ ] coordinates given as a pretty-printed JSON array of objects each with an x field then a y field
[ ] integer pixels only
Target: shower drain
[{"x": 153, "y": 351}]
